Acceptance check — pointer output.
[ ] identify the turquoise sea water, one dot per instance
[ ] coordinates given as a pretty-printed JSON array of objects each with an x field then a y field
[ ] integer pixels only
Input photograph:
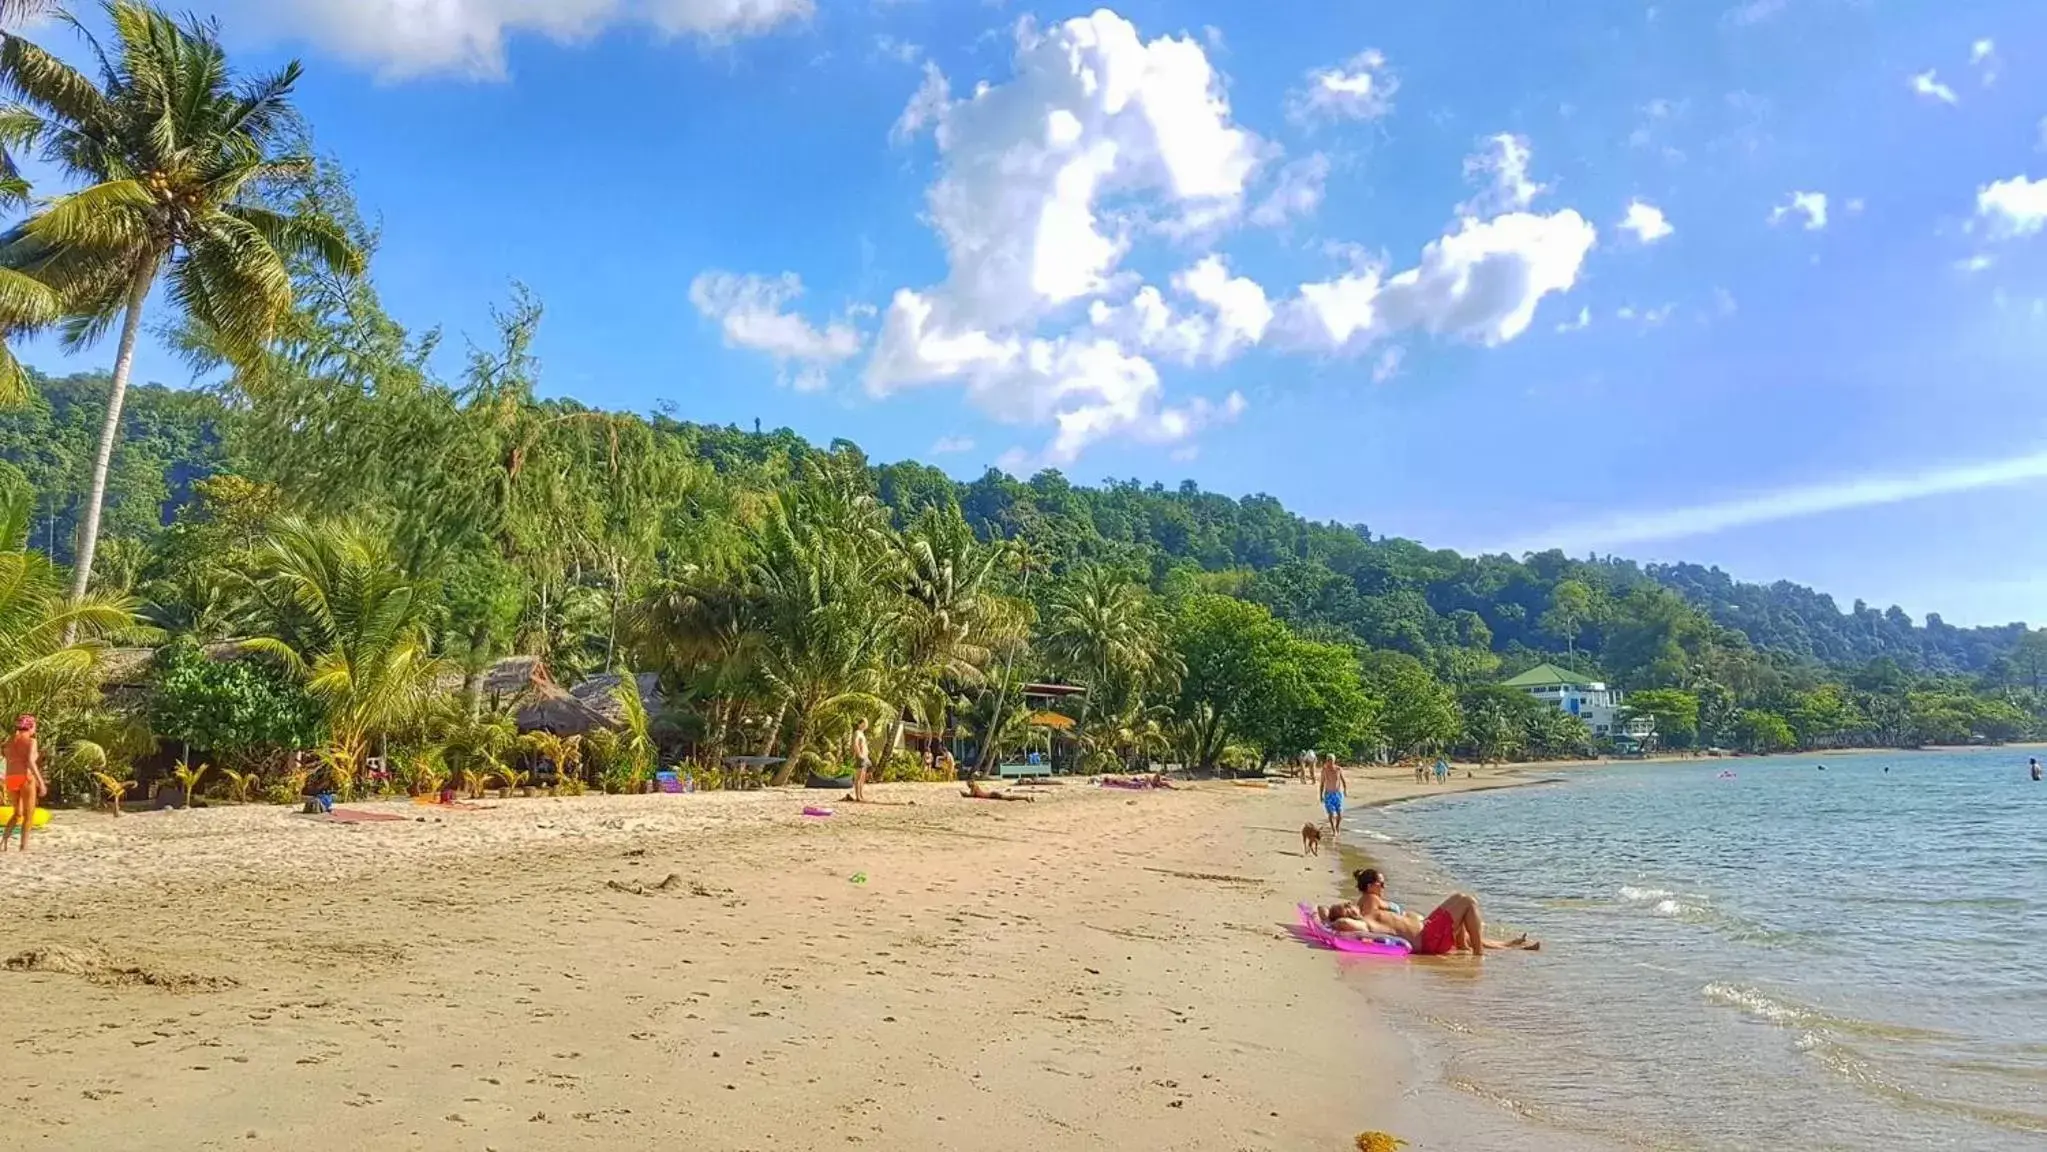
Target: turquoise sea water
[{"x": 1788, "y": 958}]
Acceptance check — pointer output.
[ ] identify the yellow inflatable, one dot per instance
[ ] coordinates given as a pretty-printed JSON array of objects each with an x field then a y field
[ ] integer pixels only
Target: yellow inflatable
[{"x": 41, "y": 817}]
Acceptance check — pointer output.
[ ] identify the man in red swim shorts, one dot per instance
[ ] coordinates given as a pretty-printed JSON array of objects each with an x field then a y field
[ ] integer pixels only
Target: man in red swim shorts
[{"x": 1455, "y": 924}]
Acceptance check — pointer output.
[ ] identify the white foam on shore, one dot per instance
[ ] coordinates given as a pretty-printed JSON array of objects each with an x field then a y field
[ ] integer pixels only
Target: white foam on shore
[{"x": 1751, "y": 1002}]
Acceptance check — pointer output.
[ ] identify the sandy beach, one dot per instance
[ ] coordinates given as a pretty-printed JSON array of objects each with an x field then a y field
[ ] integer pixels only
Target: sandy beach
[{"x": 1097, "y": 969}]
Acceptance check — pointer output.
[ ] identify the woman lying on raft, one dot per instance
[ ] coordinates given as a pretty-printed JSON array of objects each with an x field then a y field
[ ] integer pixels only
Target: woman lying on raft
[{"x": 1454, "y": 926}]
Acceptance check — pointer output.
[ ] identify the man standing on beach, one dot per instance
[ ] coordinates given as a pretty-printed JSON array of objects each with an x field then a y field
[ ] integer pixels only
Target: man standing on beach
[
  {"x": 860, "y": 763},
  {"x": 1333, "y": 789}
]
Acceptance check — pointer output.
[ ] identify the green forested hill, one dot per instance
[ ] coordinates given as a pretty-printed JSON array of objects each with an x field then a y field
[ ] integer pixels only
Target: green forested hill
[{"x": 1335, "y": 580}]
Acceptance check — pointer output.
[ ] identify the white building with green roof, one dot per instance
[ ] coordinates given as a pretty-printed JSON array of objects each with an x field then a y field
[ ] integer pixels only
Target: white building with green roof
[{"x": 1588, "y": 699}]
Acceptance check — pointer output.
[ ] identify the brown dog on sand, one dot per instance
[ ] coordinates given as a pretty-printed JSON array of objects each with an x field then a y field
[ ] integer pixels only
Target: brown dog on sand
[{"x": 1311, "y": 840}]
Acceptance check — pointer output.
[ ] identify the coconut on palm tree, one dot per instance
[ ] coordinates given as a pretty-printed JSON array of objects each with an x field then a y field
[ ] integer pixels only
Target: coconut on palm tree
[{"x": 173, "y": 150}]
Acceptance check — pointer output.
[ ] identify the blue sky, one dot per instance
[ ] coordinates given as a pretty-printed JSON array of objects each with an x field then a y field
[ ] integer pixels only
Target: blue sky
[{"x": 1760, "y": 283}]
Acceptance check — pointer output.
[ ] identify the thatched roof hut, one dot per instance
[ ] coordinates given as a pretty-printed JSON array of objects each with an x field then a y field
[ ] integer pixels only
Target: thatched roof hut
[
  {"x": 559, "y": 712},
  {"x": 599, "y": 694},
  {"x": 505, "y": 681},
  {"x": 124, "y": 673},
  {"x": 120, "y": 668}
]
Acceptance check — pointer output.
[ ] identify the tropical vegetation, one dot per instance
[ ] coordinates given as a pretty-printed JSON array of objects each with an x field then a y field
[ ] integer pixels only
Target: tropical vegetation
[{"x": 326, "y": 546}]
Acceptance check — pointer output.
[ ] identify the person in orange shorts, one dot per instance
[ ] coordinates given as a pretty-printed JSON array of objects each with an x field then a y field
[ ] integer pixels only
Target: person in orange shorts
[
  {"x": 1454, "y": 925},
  {"x": 24, "y": 780}
]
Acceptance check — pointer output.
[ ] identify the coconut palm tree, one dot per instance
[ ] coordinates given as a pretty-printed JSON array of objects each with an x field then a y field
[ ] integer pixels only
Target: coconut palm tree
[
  {"x": 636, "y": 751},
  {"x": 827, "y": 590},
  {"x": 172, "y": 150},
  {"x": 15, "y": 12},
  {"x": 701, "y": 634},
  {"x": 1100, "y": 626},
  {"x": 341, "y": 616},
  {"x": 26, "y": 304},
  {"x": 951, "y": 619},
  {"x": 38, "y": 666}
]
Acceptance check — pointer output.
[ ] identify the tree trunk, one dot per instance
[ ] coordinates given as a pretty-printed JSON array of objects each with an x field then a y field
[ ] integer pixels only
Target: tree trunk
[
  {"x": 798, "y": 741},
  {"x": 721, "y": 722},
  {"x": 611, "y": 633},
  {"x": 110, "y": 433},
  {"x": 774, "y": 730},
  {"x": 895, "y": 740}
]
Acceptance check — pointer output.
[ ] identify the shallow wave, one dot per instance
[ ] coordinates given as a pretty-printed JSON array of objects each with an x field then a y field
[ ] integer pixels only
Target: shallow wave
[
  {"x": 1788, "y": 1013},
  {"x": 1664, "y": 902},
  {"x": 1701, "y": 912},
  {"x": 1854, "y": 1067}
]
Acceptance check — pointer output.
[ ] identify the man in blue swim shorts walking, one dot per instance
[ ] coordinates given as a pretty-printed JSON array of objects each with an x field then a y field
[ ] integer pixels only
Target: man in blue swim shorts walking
[{"x": 1333, "y": 788}]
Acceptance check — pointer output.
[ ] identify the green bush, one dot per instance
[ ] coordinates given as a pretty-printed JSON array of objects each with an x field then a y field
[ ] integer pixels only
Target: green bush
[{"x": 905, "y": 767}]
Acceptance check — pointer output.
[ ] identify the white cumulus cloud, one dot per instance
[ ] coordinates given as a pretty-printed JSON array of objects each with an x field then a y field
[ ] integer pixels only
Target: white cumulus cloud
[
  {"x": 1502, "y": 167},
  {"x": 1360, "y": 88},
  {"x": 926, "y": 105},
  {"x": 1646, "y": 222},
  {"x": 952, "y": 445},
  {"x": 1100, "y": 140},
  {"x": 1093, "y": 110},
  {"x": 1480, "y": 283},
  {"x": 2014, "y": 207},
  {"x": 1811, "y": 207},
  {"x": 406, "y": 38},
  {"x": 753, "y": 313},
  {"x": 1297, "y": 192},
  {"x": 1928, "y": 85}
]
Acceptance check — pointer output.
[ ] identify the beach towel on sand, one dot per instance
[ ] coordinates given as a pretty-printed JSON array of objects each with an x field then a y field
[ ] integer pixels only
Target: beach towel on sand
[{"x": 360, "y": 816}]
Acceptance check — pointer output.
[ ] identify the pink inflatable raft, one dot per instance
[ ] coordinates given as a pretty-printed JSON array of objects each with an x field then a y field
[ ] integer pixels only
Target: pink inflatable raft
[{"x": 1314, "y": 929}]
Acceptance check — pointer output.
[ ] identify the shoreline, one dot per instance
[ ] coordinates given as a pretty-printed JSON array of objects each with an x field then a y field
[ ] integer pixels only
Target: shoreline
[
  {"x": 1095, "y": 969},
  {"x": 1727, "y": 992}
]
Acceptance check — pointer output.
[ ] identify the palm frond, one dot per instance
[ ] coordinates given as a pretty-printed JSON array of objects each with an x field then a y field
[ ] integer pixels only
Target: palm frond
[
  {"x": 264, "y": 108},
  {"x": 113, "y": 216},
  {"x": 36, "y": 77},
  {"x": 304, "y": 236}
]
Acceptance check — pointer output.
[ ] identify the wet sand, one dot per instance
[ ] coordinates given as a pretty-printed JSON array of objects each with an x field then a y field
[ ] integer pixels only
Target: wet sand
[{"x": 1097, "y": 969}]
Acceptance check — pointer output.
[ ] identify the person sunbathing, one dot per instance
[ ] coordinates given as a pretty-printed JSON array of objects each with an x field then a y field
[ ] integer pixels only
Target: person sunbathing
[
  {"x": 976, "y": 792},
  {"x": 1454, "y": 925},
  {"x": 1346, "y": 918}
]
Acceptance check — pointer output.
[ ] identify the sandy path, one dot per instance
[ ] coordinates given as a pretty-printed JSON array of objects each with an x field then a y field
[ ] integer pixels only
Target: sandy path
[{"x": 1098, "y": 969}]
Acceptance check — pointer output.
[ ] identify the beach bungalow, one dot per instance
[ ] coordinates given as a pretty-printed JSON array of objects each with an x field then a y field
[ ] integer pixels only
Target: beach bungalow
[
  {"x": 1589, "y": 700},
  {"x": 600, "y": 694}
]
